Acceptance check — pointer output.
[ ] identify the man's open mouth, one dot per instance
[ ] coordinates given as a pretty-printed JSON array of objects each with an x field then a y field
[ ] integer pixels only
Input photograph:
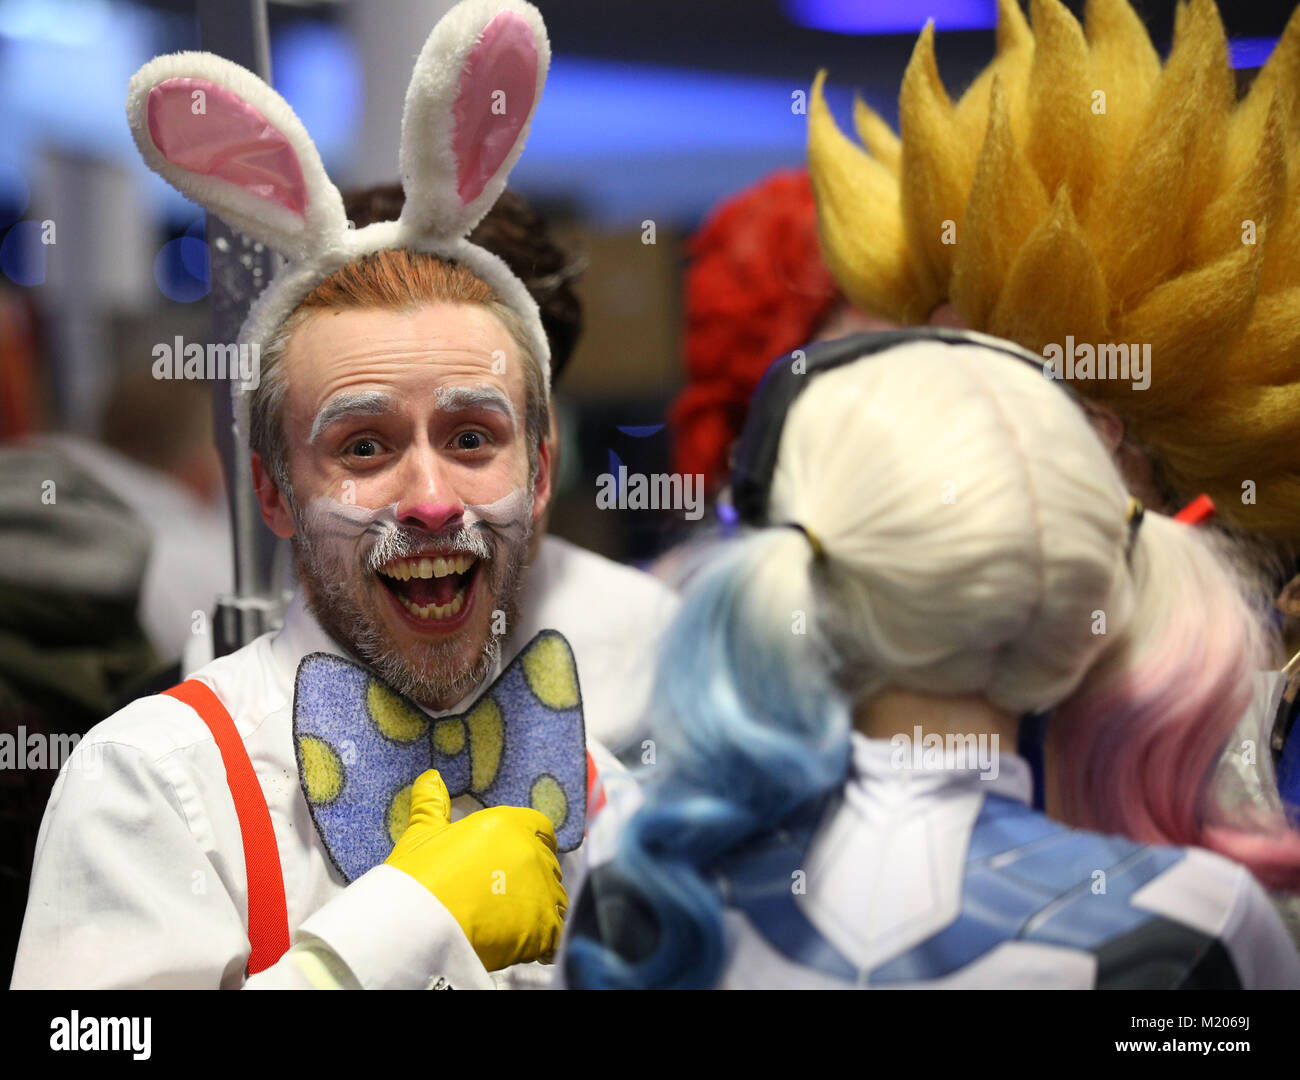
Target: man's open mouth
[{"x": 431, "y": 586}]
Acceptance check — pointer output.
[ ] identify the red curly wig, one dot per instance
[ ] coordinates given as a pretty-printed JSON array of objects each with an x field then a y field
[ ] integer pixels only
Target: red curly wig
[{"x": 756, "y": 288}]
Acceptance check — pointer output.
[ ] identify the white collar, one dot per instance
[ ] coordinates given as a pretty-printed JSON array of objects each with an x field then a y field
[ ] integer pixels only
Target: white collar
[
  {"x": 301, "y": 635},
  {"x": 884, "y": 761}
]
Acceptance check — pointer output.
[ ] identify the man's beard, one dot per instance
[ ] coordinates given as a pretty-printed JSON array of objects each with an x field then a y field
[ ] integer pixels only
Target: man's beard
[{"x": 334, "y": 579}]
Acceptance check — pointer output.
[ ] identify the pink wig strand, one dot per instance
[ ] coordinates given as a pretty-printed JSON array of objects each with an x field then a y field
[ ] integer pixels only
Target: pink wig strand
[{"x": 1140, "y": 745}]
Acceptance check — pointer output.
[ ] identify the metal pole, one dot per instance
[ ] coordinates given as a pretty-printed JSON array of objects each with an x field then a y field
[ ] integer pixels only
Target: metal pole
[{"x": 239, "y": 269}]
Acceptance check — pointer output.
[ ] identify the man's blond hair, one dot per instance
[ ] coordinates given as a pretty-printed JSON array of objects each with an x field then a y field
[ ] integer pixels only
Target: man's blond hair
[{"x": 1081, "y": 187}]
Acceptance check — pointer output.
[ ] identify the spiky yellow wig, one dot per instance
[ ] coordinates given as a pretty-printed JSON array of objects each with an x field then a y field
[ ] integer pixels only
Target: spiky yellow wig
[{"x": 1079, "y": 187}]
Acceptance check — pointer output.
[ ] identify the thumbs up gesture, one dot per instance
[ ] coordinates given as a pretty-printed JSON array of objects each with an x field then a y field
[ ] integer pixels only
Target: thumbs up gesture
[{"x": 495, "y": 870}]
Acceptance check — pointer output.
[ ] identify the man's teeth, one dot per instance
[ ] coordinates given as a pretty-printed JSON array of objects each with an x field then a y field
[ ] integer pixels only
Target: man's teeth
[
  {"x": 405, "y": 569},
  {"x": 435, "y": 611},
  {"x": 431, "y": 567}
]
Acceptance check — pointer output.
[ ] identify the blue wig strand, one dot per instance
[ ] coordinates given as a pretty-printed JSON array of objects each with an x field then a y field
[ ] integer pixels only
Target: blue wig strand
[{"x": 753, "y": 728}]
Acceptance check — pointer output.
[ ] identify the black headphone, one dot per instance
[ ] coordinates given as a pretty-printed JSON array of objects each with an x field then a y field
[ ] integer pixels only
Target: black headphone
[{"x": 755, "y": 456}]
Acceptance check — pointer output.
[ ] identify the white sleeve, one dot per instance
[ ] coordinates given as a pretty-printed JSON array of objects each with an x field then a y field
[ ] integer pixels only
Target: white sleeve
[
  {"x": 388, "y": 932},
  {"x": 1255, "y": 937},
  {"x": 122, "y": 894},
  {"x": 127, "y": 892},
  {"x": 1220, "y": 898}
]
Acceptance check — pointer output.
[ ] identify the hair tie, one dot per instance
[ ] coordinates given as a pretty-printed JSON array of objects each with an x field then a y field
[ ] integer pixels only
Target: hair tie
[
  {"x": 1197, "y": 512},
  {"x": 1136, "y": 511},
  {"x": 819, "y": 552}
]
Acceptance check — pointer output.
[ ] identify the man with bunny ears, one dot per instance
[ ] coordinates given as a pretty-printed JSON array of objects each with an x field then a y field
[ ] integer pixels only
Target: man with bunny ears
[{"x": 275, "y": 822}]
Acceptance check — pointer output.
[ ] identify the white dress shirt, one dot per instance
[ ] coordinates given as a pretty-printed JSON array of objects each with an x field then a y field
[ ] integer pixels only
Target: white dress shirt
[
  {"x": 613, "y": 616},
  {"x": 139, "y": 878}
]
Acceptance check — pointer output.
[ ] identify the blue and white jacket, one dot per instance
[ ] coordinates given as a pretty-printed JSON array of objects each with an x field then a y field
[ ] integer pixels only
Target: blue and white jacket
[{"x": 913, "y": 878}]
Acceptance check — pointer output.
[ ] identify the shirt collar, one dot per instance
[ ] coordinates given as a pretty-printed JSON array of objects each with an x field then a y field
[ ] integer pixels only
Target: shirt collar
[
  {"x": 301, "y": 635},
  {"x": 999, "y": 771}
]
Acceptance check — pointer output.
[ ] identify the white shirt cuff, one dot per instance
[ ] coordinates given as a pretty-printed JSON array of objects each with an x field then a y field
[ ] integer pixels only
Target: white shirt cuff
[{"x": 393, "y": 934}]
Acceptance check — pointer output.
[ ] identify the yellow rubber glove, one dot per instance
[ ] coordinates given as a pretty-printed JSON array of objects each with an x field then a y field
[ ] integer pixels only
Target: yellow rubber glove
[{"x": 495, "y": 870}]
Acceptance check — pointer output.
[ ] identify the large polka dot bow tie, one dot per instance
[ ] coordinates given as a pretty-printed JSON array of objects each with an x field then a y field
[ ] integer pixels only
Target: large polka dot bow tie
[{"x": 360, "y": 745}]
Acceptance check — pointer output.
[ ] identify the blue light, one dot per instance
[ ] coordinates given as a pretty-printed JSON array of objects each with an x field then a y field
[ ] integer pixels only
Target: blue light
[
  {"x": 22, "y": 254},
  {"x": 615, "y": 463},
  {"x": 316, "y": 69},
  {"x": 888, "y": 17},
  {"x": 75, "y": 23},
  {"x": 171, "y": 270},
  {"x": 64, "y": 66},
  {"x": 641, "y": 431},
  {"x": 630, "y": 142},
  {"x": 14, "y": 195},
  {"x": 194, "y": 256},
  {"x": 1250, "y": 52},
  {"x": 615, "y": 109}
]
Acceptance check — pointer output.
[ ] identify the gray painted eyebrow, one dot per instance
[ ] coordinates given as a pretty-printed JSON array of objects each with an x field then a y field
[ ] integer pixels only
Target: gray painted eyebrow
[
  {"x": 454, "y": 398},
  {"x": 363, "y": 403}
]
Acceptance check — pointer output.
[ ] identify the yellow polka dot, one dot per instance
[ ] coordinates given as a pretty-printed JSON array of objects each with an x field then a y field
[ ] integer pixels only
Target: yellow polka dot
[
  {"x": 322, "y": 770},
  {"x": 449, "y": 736},
  {"x": 399, "y": 813},
  {"x": 548, "y": 797},
  {"x": 548, "y": 667},
  {"x": 393, "y": 716},
  {"x": 486, "y": 738}
]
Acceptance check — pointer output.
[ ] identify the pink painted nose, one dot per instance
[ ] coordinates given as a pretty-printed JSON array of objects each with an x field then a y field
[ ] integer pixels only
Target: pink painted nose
[
  {"x": 430, "y": 516},
  {"x": 429, "y": 501}
]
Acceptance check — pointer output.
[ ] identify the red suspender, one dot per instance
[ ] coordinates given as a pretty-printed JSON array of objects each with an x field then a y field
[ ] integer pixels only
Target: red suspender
[
  {"x": 595, "y": 789},
  {"x": 268, "y": 916}
]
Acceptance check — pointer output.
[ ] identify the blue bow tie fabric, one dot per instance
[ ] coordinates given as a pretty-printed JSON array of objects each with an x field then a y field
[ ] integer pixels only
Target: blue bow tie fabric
[{"x": 360, "y": 745}]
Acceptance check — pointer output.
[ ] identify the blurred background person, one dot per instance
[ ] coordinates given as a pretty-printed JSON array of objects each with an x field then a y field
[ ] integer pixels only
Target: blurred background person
[
  {"x": 72, "y": 564},
  {"x": 755, "y": 288},
  {"x": 156, "y": 454}
]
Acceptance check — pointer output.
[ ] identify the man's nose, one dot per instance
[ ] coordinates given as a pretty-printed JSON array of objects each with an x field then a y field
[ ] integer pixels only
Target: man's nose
[{"x": 427, "y": 499}]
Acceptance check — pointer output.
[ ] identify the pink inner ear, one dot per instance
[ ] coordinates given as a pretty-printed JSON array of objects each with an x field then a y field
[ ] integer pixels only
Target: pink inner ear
[
  {"x": 495, "y": 97},
  {"x": 220, "y": 134}
]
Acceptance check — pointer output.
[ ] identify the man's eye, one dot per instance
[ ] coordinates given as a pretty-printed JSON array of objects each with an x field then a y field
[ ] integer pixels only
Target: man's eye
[
  {"x": 363, "y": 448},
  {"x": 469, "y": 440}
]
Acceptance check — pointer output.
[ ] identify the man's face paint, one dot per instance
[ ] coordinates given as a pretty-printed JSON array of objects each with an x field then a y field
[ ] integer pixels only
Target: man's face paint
[
  {"x": 358, "y": 565},
  {"x": 416, "y": 568}
]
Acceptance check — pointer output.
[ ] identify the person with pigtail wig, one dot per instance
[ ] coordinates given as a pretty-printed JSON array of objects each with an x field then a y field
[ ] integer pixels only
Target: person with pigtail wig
[
  {"x": 944, "y": 567},
  {"x": 1134, "y": 215}
]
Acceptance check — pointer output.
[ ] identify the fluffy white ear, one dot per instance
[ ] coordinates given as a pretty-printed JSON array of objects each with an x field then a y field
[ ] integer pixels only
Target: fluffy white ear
[
  {"x": 225, "y": 139},
  {"x": 472, "y": 96}
]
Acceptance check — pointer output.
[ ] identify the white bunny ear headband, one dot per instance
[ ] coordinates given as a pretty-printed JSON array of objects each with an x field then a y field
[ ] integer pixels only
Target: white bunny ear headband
[{"x": 225, "y": 139}]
